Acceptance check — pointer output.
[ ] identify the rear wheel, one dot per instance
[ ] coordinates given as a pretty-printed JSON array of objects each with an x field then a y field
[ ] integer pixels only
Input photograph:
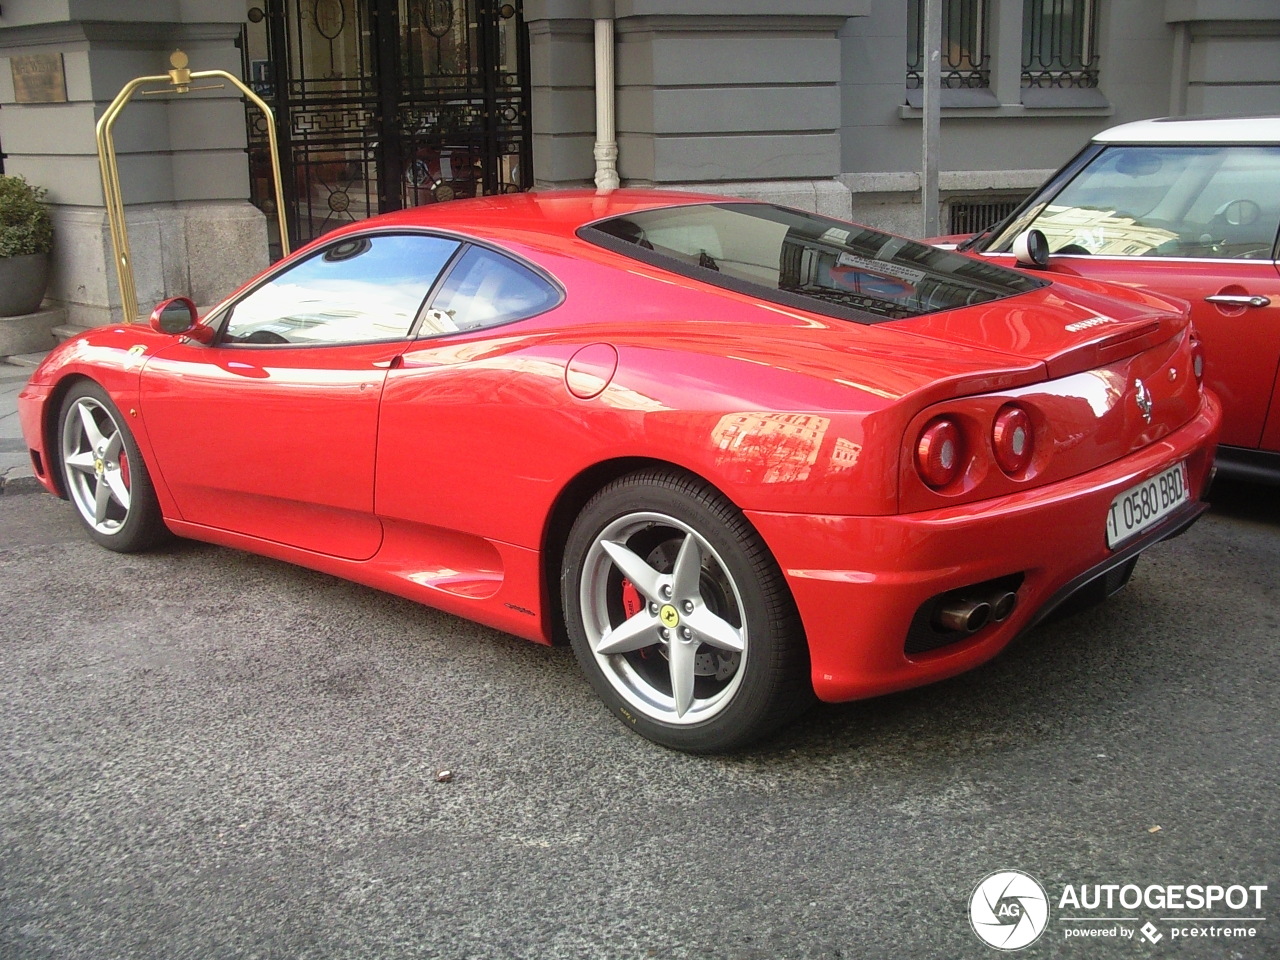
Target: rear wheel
[
  {"x": 680, "y": 617},
  {"x": 103, "y": 472}
]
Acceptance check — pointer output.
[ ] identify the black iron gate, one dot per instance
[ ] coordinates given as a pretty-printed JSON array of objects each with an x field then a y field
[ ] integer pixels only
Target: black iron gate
[{"x": 385, "y": 104}]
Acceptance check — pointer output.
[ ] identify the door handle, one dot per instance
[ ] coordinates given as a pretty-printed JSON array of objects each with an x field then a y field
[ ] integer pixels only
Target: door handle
[{"x": 1239, "y": 300}]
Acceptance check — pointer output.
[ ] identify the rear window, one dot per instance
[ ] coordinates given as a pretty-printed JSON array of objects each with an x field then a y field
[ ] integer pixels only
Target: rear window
[{"x": 807, "y": 261}]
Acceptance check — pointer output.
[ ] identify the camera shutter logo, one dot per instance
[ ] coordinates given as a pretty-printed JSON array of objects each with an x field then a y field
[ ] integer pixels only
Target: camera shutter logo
[{"x": 1009, "y": 910}]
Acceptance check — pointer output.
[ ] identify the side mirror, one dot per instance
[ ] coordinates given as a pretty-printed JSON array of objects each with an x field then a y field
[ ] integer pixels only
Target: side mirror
[
  {"x": 1031, "y": 249},
  {"x": 178, "y": 316},
  {"x": 1239, "y": 213}
]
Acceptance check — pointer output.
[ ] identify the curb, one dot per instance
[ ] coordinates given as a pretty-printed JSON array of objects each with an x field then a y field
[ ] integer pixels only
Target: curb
[{"x": 18, "y": 485}]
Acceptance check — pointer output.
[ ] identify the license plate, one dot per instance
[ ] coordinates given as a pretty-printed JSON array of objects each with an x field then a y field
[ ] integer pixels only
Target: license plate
[{"x": 1146, "y": 504}]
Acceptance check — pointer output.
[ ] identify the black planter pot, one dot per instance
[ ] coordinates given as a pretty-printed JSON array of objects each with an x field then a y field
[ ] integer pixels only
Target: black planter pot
[{"x": 23, "y": 281}]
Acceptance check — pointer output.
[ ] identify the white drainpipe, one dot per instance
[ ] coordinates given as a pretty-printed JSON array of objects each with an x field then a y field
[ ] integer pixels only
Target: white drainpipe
[{"x": 606, "y": 145}]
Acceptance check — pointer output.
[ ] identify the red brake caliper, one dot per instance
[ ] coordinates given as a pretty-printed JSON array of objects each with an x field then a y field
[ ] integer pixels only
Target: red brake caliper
[
  {"x": 632, "y": 602},
  {"x": 124, "y": 468}
]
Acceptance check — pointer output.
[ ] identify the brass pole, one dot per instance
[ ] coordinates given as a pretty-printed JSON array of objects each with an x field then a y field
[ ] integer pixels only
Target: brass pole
[
  {"x": 111, "y": 196},
  {"x": 179, "y": 81}
]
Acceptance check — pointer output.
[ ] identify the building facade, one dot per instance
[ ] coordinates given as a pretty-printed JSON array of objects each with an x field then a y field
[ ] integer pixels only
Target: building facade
[{"x": 388, "y": 103}]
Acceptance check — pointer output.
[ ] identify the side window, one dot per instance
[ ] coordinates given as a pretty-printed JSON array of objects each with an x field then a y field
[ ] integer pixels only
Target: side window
[
  {"x": 485, "y": 289},
  {"x": 1169, "y": 201},
  {"x": 357, "y": 290},
  {"x": 1239, "y": 205}
]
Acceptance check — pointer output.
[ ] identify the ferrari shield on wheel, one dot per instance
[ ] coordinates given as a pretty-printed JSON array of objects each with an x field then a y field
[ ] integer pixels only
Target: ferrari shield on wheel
[
  {"x": 103, "y": 472},
  {"x": 679, "y": 615}
]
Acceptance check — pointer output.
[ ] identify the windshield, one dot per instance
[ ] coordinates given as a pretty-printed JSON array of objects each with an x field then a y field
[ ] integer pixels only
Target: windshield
[
  {"x": 1160, "y": 200},
  {"x": 806, "y": 260}
]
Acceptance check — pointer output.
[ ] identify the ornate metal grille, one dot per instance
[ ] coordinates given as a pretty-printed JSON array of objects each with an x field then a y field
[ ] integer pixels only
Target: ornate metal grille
[
  {"x": 1060, "y": 43},
  {"x": 385, "y": 104},
  {"x": 966, "y": 61}
]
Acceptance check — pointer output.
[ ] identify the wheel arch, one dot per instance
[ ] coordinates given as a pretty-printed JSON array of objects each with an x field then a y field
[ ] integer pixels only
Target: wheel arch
[
  {"x": 569, "y": 503},
  {"x": 52, "y": 429}
]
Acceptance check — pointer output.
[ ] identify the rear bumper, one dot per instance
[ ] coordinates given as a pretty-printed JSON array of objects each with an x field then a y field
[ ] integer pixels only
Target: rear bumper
[{"x": 859, "y": 581}]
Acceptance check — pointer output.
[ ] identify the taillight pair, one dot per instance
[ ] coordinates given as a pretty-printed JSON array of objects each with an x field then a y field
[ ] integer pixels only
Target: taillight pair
[{"x": 942, "y": 456}]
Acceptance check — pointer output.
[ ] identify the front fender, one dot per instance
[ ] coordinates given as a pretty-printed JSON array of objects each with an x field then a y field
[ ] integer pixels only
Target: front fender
[{"x": 112, "y": 357}]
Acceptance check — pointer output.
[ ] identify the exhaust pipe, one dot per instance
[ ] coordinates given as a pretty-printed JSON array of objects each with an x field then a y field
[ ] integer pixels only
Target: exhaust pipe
[
  {"x": 1002, "y": 605},
  {"x": 965, "y": 616}
]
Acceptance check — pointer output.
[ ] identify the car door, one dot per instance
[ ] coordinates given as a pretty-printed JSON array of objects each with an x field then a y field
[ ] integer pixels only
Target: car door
[
  {"x": 1199, "y": 222},
  {"x": 272, "y": 430},
  {"x": 465, "y": 407}
]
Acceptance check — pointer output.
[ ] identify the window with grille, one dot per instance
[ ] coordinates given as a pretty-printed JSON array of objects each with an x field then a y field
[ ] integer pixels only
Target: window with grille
[
  {"x": 1060, "y": 43},
  {"x": 966, "y": 58}
]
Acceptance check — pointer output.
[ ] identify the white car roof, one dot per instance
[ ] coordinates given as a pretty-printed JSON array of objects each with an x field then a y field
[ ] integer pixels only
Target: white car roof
[{"x": 1195, "y": 130}]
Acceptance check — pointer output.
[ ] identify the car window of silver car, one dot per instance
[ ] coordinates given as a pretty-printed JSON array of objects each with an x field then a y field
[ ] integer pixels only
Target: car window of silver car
[
  {"x": 358, "y": 290},
  {"x": 1215, "y": 202}
]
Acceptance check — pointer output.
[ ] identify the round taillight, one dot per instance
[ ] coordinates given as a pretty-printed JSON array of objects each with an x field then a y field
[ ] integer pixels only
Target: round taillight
[
  {"x": 1012, "y": 440},
  {"x": 1197, "y": 359},
  {"x": 940, "y": 453}
]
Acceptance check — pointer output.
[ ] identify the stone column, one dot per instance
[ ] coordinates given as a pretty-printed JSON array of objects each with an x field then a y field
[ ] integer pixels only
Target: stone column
[
  {"x": 1226, "y": 61},
  {"x": 562, "y": 95},
  {"x": 183, "y": 169}
]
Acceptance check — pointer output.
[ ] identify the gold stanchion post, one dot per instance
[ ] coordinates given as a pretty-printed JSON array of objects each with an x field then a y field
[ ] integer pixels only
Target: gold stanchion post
[{"x": 177, "y": 80}]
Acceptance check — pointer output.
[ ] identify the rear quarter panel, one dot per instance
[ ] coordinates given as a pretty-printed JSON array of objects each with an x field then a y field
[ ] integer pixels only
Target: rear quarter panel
[{"x": 780, "y": 410}]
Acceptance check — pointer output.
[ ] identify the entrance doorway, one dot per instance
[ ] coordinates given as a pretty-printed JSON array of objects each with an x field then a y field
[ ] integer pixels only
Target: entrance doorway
[{"x": 386, "y": 104}]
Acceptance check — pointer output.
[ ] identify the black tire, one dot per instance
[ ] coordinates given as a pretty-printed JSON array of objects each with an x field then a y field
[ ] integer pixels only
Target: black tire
[
  {"x": 103, "y": 473},
  {"x": 712, "y": 655}
]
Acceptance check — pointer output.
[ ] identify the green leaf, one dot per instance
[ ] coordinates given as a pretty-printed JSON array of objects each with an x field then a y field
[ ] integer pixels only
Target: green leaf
[{"x": 25, "y": 227}]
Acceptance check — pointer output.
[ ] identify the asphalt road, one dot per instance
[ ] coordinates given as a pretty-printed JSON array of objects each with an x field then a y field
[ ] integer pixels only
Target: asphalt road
[{"x": 207, "y": 754}]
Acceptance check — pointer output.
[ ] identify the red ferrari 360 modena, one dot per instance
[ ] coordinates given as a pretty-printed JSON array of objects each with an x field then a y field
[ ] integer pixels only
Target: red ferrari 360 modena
[{"x": 738, "y": 455}]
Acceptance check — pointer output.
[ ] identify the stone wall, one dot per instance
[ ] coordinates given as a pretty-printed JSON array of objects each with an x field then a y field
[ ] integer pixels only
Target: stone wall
[
  {"x": 183, "y": 170},
  {"x": 739, "y": 98},
  {"x": 806, "y": 103}
]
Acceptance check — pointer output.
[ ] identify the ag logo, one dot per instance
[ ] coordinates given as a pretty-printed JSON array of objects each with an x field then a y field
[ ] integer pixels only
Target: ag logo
[{"x": 1009, "y": 910}]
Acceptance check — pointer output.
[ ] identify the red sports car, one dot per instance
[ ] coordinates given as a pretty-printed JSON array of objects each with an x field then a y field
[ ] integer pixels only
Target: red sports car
[
  {"x": 1188, "y": 208},
  {"x": 738, "y": 455}
]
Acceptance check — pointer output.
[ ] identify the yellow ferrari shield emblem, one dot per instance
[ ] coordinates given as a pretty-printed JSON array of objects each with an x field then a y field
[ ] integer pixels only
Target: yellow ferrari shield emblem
[{"x": 669, "y": 615}]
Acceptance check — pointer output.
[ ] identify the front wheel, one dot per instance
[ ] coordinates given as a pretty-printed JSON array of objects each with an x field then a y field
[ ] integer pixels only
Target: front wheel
[
  {"x": 103, "y": 472},
  {"x": 680, "y": 617}
]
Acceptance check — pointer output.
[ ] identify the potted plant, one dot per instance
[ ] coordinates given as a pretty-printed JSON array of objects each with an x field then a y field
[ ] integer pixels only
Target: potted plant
[{"x": 26, "y": 237}]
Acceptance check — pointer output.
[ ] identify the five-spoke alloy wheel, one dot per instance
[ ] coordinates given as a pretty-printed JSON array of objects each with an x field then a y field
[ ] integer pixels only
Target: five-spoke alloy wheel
[
  {"x": 679, "y": 615},
  {"x": 103, "y": 472}
]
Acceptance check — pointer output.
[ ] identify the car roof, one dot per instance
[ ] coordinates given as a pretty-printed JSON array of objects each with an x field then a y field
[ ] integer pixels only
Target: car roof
[
  {"x": 540, "y": 212},
  {"x": 1195, "y": 130}
]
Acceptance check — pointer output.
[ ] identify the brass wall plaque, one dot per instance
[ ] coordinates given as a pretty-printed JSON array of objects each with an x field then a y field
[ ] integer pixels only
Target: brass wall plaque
[{"x": 39, "y": 78}]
